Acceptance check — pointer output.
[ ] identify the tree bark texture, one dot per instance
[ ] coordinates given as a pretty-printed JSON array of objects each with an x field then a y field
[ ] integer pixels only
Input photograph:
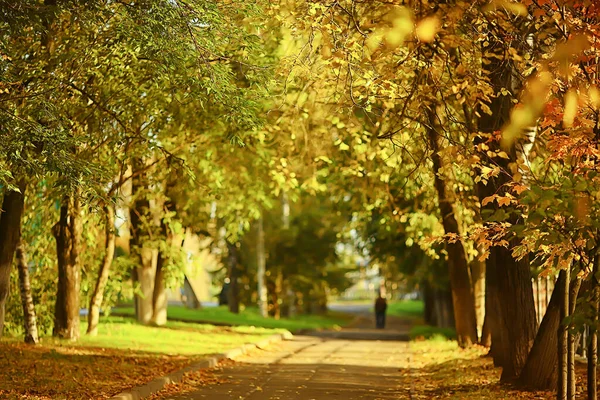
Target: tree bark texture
[
  {"x": 11, "y": 212},
  {"x": 460, "y": 284},
  {"x": 478, "y": 284},
  {"x": 233, "y": 296},
  {"x": 141, "y": 224},
  {"x": 159, "y": 294},
  {"x": 516, "y": 323},
  {"x": 486, "y": 333},
  {"x": 492, "y": 312},
  {"x": 261, "y": 268},
  {"x": 104, "y": 272},
  {"x": 67, "y": 233},
  {"x": 540, "y": 371},
  {"x": 572, "y": 340},
  {"x": 31, "y": 331}
]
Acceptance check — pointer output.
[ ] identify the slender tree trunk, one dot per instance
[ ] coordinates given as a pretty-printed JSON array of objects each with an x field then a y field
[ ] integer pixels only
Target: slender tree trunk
[
  {"x": 462, "y": 295},
  {"x": 233, "y": 298},
  {"x": 572, "y": 340},
  {"x": 261, "y": 270},
  {"x": 10, "y": 228},
  {"x": 67, "y": 233},
  {"x": 31, "y": 332},
  {"x": 540, "y": 371},
  {"x": 592, "y": 350},
  {"x": 486, "y": 333},
  {"x": 277, "y": 293},
  {"x": 563, "y": 334},
  {"x": 104, "y": 272},
  {"x": 478, "y": 284},
  {"x": 159, "y": 295}
]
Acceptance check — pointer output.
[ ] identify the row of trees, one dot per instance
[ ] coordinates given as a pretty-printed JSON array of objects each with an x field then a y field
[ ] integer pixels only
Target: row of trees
[
  {"x": 485, "y": 116},
  {"x": 129, "y": 127},
  {"x": 112, "y": 107},
  {"x": 453, "y": 142}
]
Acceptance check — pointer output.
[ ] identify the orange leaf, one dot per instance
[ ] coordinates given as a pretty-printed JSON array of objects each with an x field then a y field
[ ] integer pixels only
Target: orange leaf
[
  {"x": 488, "y": 199},
  {"x": 503, "y": 201}
]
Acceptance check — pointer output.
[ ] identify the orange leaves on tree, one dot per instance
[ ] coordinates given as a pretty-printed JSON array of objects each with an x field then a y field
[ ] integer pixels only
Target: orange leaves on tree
[{"x": 505, "y": 200}]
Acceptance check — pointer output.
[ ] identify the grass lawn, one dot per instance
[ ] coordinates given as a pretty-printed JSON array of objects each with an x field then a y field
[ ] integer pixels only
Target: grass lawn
[
  {"x": 251, "y": 318},
  {"x": 124, "y": 354},
  {"x": 406, "y": 308}
]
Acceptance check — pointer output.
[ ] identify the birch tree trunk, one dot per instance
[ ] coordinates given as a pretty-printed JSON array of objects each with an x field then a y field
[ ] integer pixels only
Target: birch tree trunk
[
  {"x": 233, "y": 297},
  {"x": 31, "y": 331},
  {"x": 261, "y": 264}
]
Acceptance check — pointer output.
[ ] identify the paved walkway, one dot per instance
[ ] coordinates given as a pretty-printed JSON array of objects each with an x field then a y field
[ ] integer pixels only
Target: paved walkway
[{"x": 318, "y": 368}]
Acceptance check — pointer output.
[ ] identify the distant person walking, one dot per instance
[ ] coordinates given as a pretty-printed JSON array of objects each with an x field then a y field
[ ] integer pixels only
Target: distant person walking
[{"x": 380, "y": 308}]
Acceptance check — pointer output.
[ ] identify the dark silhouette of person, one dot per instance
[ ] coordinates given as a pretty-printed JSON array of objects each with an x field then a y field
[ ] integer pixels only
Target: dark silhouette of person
[{"x": 380, "y": 308}]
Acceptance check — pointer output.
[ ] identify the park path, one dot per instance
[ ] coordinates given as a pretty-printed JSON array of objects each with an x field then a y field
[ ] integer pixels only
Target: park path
[{"x": 325, "y": 365}]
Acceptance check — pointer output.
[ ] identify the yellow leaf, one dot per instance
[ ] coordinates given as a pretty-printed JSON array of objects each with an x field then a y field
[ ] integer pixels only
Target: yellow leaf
[
  {"x": 570, "y": 108},
  {"x": 427, "y": 28},
  {"x": 517, "y": 177},
  {"x": 516, "y": 8}
]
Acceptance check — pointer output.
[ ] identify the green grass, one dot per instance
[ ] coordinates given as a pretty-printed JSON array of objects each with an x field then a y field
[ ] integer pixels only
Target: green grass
[
  {"x": 177, "y": 338},
  {"x": 251, "y": 318},
  {"x": 406, "y": 308},
  {"x": 431, "y": 332}
]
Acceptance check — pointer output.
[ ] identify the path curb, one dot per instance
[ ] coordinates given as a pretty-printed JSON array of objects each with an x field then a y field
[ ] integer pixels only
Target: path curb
[{"x": 140, "y": 392}]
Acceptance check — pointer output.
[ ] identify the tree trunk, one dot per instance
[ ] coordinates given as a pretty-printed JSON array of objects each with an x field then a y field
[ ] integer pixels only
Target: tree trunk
[
  {"x": 516, "y": 322},
  {"x": 261, "y": 269},
  {"x": 103, "y": 273},
  {"x": 277, "y": 293},
  {"x": 233, "y": 297},
  {"x": 563, "y": 333},
  {"x": 67, "y": 233},
  {"x": 540, "y": 371},
  {"x": 429, "y": 304},
  {"x": 572, "y": 340},
  {"x": 445, "y": 309},
  {"x": 486, "y": 333},
  {"x": 462, "y": 295},
  {"x": 592, "y": 351},
  {"x": 144, "y": 273},
  {"x": 31, "y": 332},
  {"x": 492, "y": 311},
  {"x": 478, "y": 284},
  {"x": 159, "y": 295},
  {"x": 10, "y": 228}
]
